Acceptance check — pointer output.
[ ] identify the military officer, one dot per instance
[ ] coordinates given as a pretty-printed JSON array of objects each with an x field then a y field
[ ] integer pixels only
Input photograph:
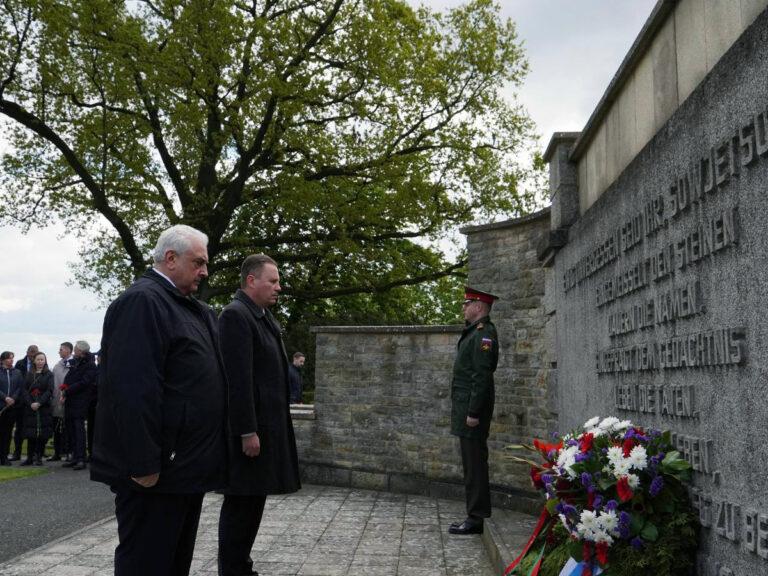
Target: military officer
[{"x": 472, "y": 396}]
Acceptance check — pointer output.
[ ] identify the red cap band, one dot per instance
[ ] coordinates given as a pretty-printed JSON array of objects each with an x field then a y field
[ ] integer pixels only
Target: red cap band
[{"x": 487, "y": 298}]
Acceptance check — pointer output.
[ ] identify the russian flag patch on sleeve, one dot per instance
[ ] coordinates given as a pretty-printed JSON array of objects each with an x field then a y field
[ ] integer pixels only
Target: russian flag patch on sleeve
[{"x": 486, "y": 344}]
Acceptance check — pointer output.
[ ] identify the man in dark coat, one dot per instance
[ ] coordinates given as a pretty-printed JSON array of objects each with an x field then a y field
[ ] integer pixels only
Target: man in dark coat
[
  {"x": 294, "y": 377},
  {"x": 77, "y": 392},
  {"x": 24, "y": 365},
  {"x": 262, "y": 445},
  {"x": 472, "y": 397},
  {"x": 159, "y": 439}
]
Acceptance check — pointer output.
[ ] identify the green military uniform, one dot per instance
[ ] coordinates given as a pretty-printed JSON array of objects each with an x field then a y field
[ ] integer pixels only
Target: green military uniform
[{"x": 472, "y": 394}]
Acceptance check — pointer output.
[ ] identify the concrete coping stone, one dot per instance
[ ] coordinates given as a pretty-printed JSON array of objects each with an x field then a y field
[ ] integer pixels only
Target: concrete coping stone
[
  {"x": 437, "y": 329},
  {"x": 557, "y": 139},
  {"x": 543, "y": 213}
]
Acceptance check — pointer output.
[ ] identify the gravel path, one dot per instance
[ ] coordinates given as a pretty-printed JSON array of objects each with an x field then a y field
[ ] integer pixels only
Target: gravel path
[{"x": 37, "y": 510}]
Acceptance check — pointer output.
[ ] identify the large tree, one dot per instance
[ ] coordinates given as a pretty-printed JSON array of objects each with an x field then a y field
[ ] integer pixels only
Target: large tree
[{"x": 343, "y": 137}]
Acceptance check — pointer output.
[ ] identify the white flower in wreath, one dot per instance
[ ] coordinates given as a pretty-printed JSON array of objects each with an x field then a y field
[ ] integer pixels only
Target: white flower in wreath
[
  {"x": 615, "y": 455},
  {"x": 621, "y": 468},
  {"x": 609, "y": 522},
  {"x": 591, "y": 423},
  {"x": 608, "y": 424},
  {"x": 638, "y": 458},
  {"x": 633, "y": 480},
  {"x": 567, "y": 459},
  {"x": 601, "y": 537}
]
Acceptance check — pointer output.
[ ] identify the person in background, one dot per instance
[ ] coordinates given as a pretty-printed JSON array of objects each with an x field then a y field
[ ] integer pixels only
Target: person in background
[
  {"x": 24, "y": 365},
  {"x": 38, "y": 422},
  {"x": 77, "y": 391},
  {"x": 11, "y": 384},
  {"x": 294, "y": 377},
  {"x": 60, "y": 438}
]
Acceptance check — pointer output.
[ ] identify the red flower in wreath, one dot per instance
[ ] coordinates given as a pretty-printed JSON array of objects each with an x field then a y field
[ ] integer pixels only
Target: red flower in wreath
[
  {"x": 622, "y": 487},
  {"x": 601, "y": 551},
  {"x": 545, "y": 448},
  {"x": 63, "y": 387},
  {"x": 536, "y": 479}
]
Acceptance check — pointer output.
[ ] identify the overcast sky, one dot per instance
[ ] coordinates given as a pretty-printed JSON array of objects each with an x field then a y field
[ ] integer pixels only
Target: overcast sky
[{"x": 574, "y": 49}]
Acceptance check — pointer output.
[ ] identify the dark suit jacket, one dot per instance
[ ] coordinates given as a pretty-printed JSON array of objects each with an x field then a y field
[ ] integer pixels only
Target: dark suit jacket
[
  {"x": 81, "y": 386},
  {"x": 257, "y": 372},
  {"x": 21, "y": 365},
  {"x": 162, "y": 392}
]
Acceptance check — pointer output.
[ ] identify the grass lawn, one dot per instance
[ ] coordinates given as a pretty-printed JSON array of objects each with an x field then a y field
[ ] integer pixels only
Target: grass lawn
[{"x": 14, "y": 472}]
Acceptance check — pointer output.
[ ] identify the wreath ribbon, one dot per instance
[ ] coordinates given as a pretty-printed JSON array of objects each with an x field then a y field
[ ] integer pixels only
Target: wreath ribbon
[{"x": 543, "y": 518}]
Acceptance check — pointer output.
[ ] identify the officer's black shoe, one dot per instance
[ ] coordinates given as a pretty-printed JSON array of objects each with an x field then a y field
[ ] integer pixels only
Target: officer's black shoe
[
  {"x": 54, "y": 458},
  {"x": 79, "y": 466},
  {"x": 466, "y": 527},
  {"x": 27, "y": 462},
  {"x": 69, "y": 464}
]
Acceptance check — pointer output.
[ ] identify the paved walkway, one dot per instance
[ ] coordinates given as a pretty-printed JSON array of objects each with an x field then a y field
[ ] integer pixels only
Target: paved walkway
[{"x": 320, "y": 531}]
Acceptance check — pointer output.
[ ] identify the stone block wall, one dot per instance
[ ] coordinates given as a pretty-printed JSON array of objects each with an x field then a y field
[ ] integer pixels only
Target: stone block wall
[{"x": 382, "y": 408}]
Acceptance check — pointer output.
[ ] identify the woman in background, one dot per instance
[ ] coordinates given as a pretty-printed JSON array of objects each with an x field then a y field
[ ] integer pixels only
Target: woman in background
[{"x": 38, "y": 421}]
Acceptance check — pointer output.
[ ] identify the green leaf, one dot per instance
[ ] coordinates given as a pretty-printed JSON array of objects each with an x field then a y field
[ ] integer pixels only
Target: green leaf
[
  {"x": 551, "y": 505},
  {"x": 576, "y": 549},
  {"x": 671, "y": 457},
  {"x": 649, "y": 532}
]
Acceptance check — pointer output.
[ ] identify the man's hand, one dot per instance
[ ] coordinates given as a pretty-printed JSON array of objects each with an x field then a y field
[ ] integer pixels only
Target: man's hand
[
  {"x": 9, "y": 401},
  {"x": 472, "y": 422},
  {"x": 251, "y": 445},
  {"x": 35, "y": 406},
  {"x": 146, "y": 481}
]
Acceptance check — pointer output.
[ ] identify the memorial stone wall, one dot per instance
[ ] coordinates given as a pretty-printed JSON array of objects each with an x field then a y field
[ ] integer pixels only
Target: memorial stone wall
[{"x": 660, "y": 300}]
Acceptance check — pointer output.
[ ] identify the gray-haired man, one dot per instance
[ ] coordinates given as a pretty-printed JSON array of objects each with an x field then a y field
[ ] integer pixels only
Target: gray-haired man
[
  {"x": 77, "y": 391},
  {"x": 160, "y": 441}
]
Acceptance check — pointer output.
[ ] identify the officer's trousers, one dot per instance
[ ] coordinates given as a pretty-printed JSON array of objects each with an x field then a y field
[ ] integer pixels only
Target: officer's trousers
[{"x": 474, "y": 459}]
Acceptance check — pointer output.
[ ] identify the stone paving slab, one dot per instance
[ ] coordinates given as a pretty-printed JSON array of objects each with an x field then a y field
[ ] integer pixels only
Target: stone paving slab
[{"x": 319, "y": 531}]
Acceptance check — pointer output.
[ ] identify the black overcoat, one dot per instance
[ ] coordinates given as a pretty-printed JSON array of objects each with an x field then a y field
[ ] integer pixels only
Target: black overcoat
[
  {"x": 162, "y": 392},
  {"x": 38, "y": 387},
  {"x": 80, "y": 383},
  {"x": 259, "y": 397},
  {"x": 11, "y": 385}
]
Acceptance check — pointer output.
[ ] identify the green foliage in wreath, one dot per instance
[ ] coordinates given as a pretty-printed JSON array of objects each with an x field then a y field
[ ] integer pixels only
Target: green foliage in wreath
[{"x": 672, "y": 554}]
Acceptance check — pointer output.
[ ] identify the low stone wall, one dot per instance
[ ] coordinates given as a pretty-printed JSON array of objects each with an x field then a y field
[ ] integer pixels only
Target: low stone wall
[{"x": 382, "y": 408}]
